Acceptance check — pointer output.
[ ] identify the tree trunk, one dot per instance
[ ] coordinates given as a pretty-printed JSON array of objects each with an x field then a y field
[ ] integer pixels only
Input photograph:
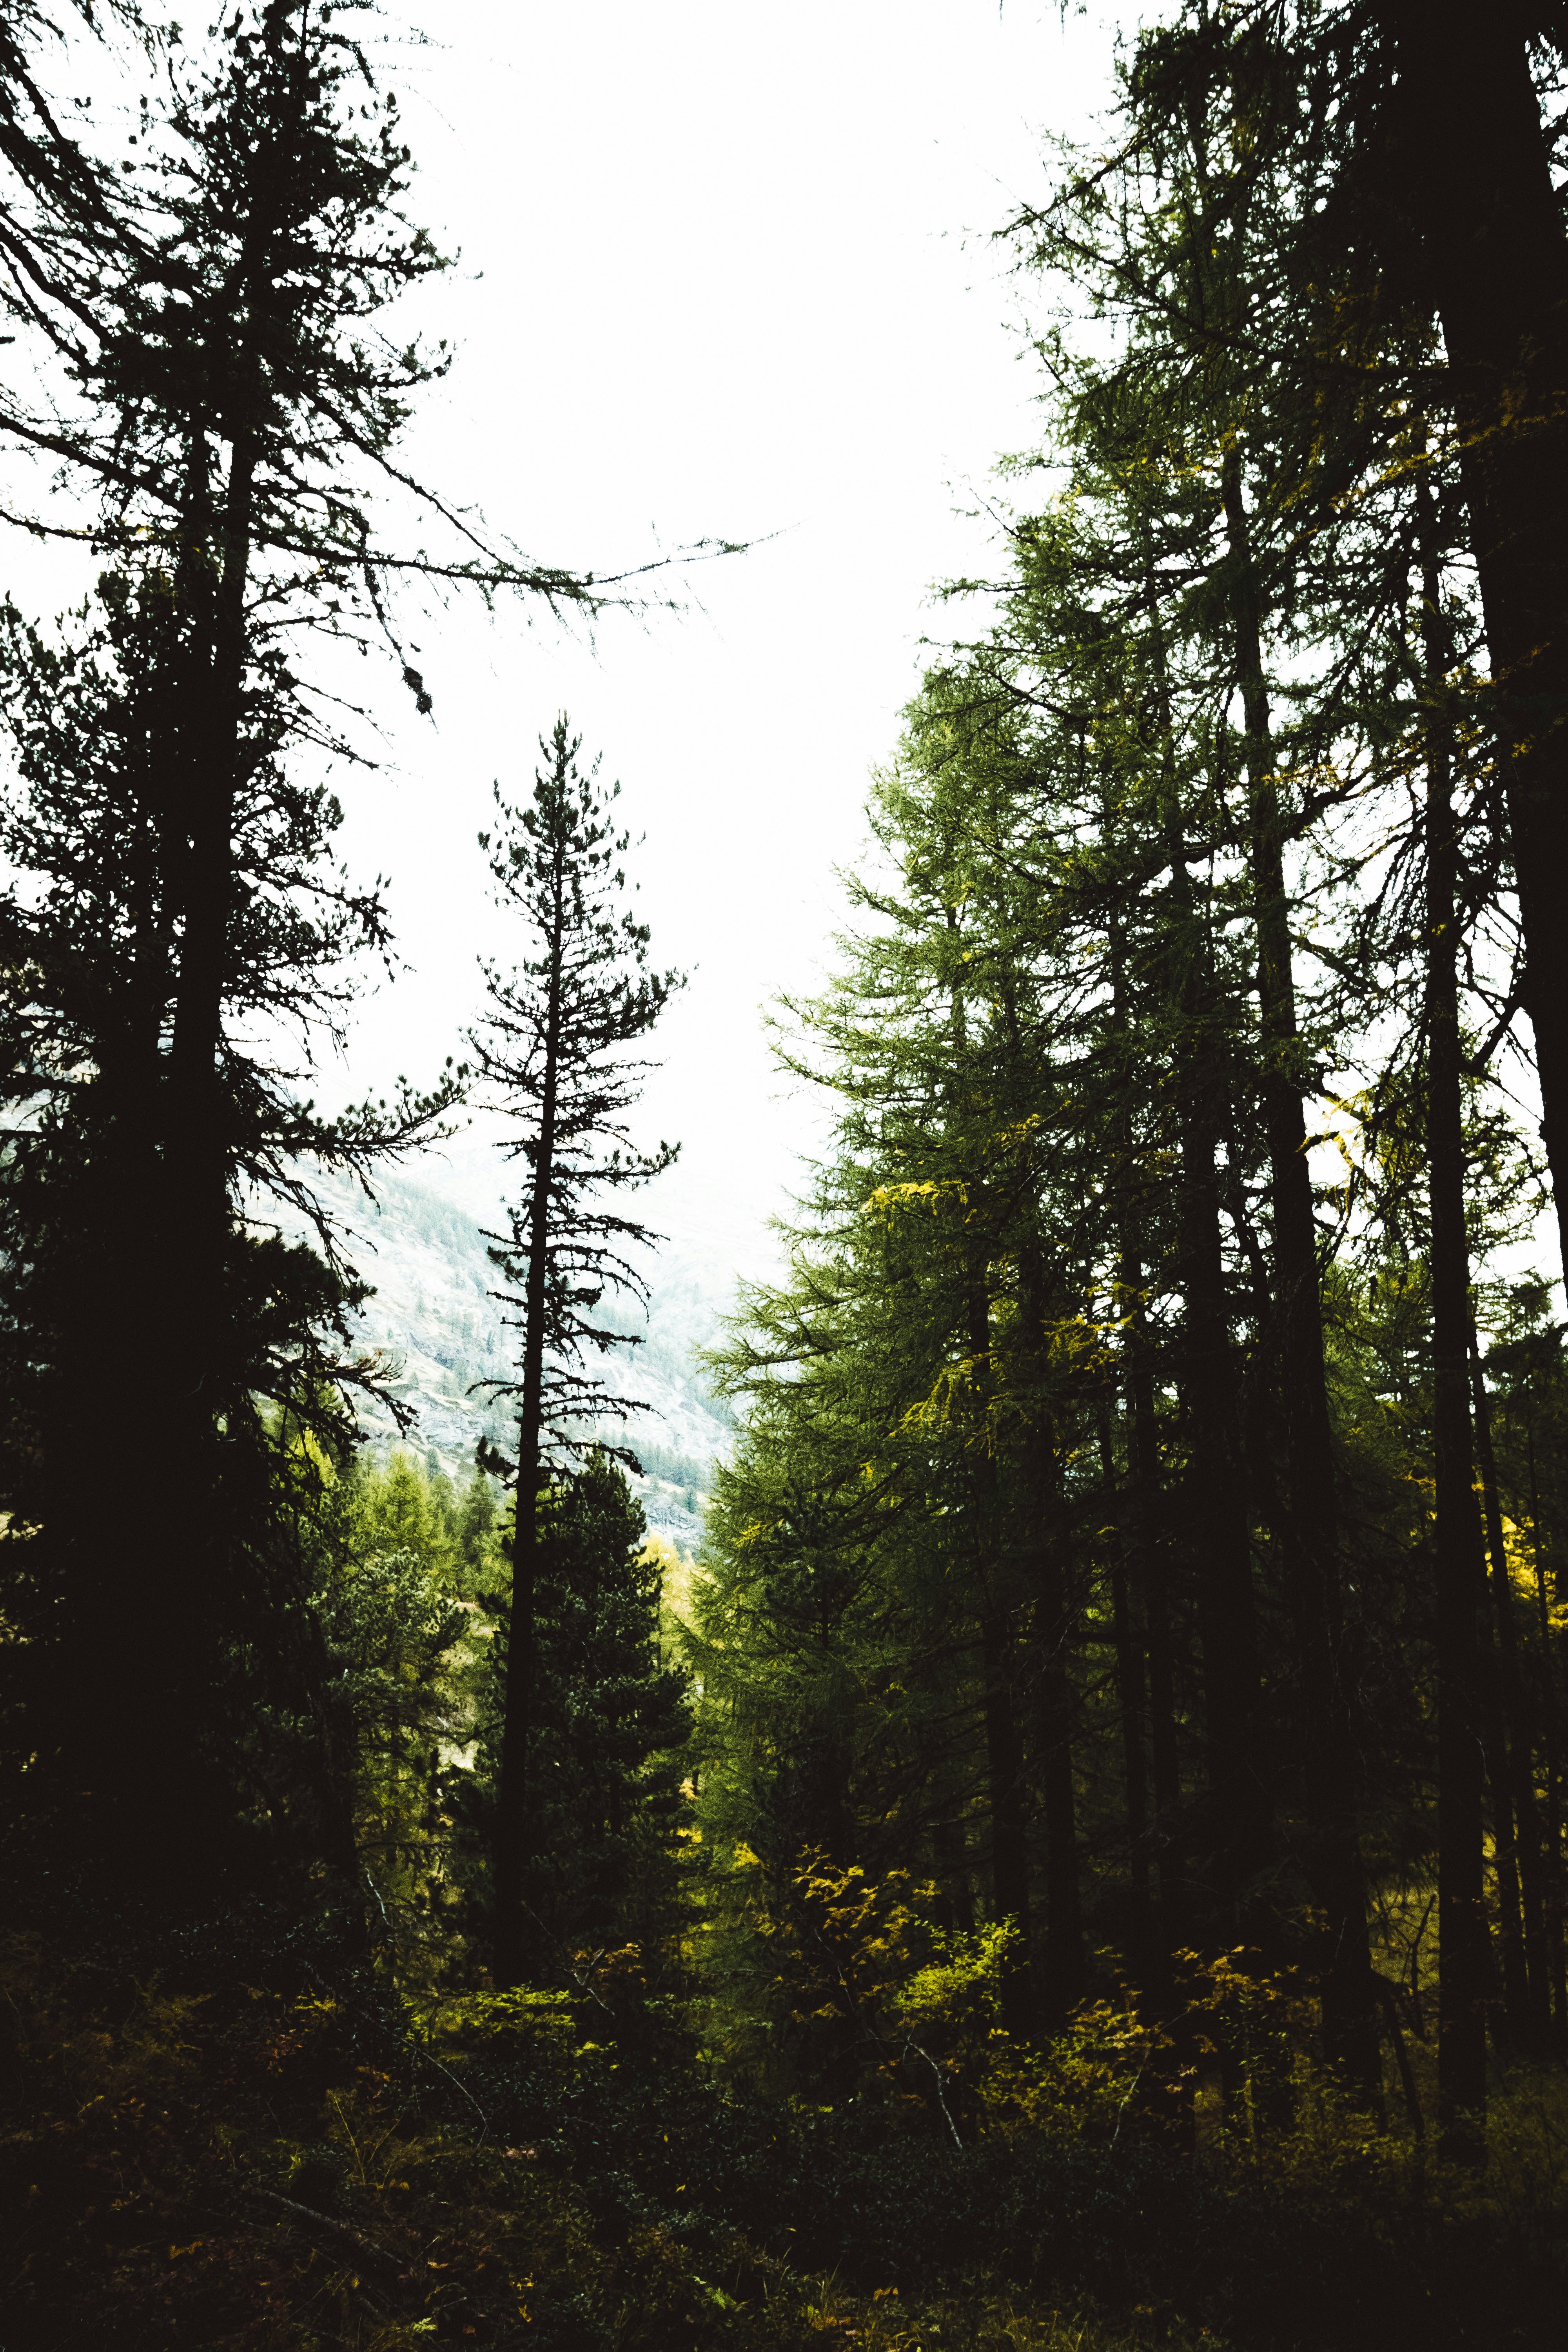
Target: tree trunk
[
  {"x": 1211, "y": 1395},
  {"x": 1557, "y": 1960},
  {"x": 1476, "y": 158},
  {"x": 104, "y": 1524},
  {"x": 1350, "y": 2019},
  {"x": 1148, "y": 1558},
  {"x": 950, "y": 1852},
  {"x": 1063, "y": 1984},
  {"x": 1132, "y": 1705},
  {"x": 177, "y": 1566},
  {"x": 1461, "y": 1918},
  {"x": 1499, "y": 1764},
  {"x": 1516, "y": 1748},
  {"x": 1003, "y": 1746},
  {"x": 1009, "y": 1828},
  {"x": 512, "y": 1820}
]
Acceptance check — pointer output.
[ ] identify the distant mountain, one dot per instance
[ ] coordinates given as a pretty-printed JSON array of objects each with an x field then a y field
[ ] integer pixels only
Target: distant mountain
[{"x": 435, "y": 1315}]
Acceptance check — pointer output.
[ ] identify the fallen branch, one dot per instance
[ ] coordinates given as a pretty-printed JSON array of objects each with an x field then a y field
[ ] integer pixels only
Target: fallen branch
[{"x": 366, "y": 2248}]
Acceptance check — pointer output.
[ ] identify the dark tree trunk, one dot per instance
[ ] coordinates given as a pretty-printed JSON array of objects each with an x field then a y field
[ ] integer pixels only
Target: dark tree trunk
[
  {"x": 1132, "y": 1705},
  {"x": 103, "y": 1512},
  {"x": 1515, "y": 1750},
  {"x": 1009, "y": 1820},
  {"x": 1168, "y": 1826},
  {"x": 1557, "y": 1960},
  {"x": 1334, "y": 1860},
  {"x": 950, "y": 1852},
  {"x": 166, "y": 1582},
  {"x": 1147, "y": 1554},
  {"x": 1004, "y": 1745},
  {"x": 1239, "y": 1804},
  {"x": 1461, "y": 1918},
  {"x": 1498, "y": 1757},
  {"x": 511, "y": 1816},
  {"x": 1475, "y": 159},
  {"x": 1063, "y": 1984}
]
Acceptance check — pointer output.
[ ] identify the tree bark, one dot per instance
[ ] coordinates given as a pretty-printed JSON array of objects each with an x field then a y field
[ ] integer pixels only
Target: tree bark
[
  {"x": 1475, "y": 157},
  {"x": 1168, "y": 1827},
  {"x": 1461, "y": 1918},
  {"x": 511, "y": 1821},
  {"x": 1063, "y": 1984},
  {"x": 1009, "y": 1825},
  {"x": 1211, "y": 1394},
  {"x": 1557, "y": 1960},
  {"x": 1133, "y": 1706},
  {"x": 1147, "y": 1551},
  {"x": 1515, "y": 1749},
  {"x": 1334, "y": 1860}
]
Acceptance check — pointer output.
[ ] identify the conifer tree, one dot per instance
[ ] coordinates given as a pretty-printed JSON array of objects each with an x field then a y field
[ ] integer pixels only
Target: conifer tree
[
  {"x": 609, "y": 1721},
  {"x": 1407, "y": 167},
  {"x": 65, "y": 220},
  {"x": 552, "y": 1049},
  {"x": 1446, "y": 182},
  {"x": 1460, "y": 1579},
  {"x": 241, "y": 419},
  {"x": 1188, "y": 238}
]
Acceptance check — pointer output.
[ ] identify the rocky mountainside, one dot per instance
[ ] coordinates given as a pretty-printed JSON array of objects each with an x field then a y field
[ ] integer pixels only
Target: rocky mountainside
[{"x": 422, "y": 1246}]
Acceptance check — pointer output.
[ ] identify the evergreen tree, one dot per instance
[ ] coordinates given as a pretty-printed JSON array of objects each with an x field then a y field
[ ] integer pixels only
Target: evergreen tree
[
  {"x": 184, "y": 916},
  {"x": 1030, "y": 1379},
  {"x": 1407, "y": 167},
  {"x": 1449, "y": 187},
  {"x": 65, "y": 222},
  {"x": 553, "y": 1051},
  {"x": 609, "y": 1718}
]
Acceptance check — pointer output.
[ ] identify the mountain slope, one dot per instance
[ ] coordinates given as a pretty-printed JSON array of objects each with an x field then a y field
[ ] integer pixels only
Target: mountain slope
[{"x": 435, "y": 1316}]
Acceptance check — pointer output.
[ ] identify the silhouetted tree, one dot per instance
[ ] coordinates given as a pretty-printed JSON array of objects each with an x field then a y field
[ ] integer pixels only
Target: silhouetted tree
[{"x": 551, "y": 1048}]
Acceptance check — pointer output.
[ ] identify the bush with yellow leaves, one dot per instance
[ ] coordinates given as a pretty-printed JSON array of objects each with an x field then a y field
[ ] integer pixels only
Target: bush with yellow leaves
[{"x": 867, "y": 1986}]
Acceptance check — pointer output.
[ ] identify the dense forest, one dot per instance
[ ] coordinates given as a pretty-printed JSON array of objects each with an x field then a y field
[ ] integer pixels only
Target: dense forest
[{"x": 1077, "y": 1857}]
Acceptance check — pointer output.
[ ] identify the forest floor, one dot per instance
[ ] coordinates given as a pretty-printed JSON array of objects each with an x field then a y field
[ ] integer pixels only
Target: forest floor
[{"x": 211, "y": 2156}]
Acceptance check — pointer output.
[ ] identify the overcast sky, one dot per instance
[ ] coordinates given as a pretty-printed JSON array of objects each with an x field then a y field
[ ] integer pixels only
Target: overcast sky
[{"x": 725, "y": 270}]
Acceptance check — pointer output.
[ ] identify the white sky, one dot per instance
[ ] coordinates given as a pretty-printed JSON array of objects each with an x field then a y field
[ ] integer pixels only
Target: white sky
[{"x": 726, "y": 270}]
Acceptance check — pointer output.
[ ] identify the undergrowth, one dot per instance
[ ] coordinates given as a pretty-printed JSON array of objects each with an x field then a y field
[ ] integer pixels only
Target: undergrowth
[{"x": 244, "y": 2142}]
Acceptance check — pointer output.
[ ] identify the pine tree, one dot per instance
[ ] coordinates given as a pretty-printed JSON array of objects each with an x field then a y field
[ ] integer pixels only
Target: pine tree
[
  {"x": 552, "y": 1049},
  {"x": 186, "y": 917},
  {"x": 609, "y": 1722},
  {"x": 65, "y": 221}
]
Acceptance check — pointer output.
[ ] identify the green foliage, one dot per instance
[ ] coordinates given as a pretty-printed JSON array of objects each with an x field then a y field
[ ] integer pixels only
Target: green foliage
[
  {"x": 610, "y": 1721},
  {"x": 403, "y": 1508},
  {"x": 1023, "y": 1578},
  {"x": 345, "y": 1754},
  {"x": 230, "y": 2153},
  {"x": 866, "y": 1987}
]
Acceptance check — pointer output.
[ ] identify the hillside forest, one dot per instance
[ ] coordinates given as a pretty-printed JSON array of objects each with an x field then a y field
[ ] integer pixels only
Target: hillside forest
[{"x": 1074, "y": 1858}]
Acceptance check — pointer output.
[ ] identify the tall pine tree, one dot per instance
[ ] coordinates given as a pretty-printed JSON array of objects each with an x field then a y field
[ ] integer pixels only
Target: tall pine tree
[{"x": 552, "y": 1050}]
